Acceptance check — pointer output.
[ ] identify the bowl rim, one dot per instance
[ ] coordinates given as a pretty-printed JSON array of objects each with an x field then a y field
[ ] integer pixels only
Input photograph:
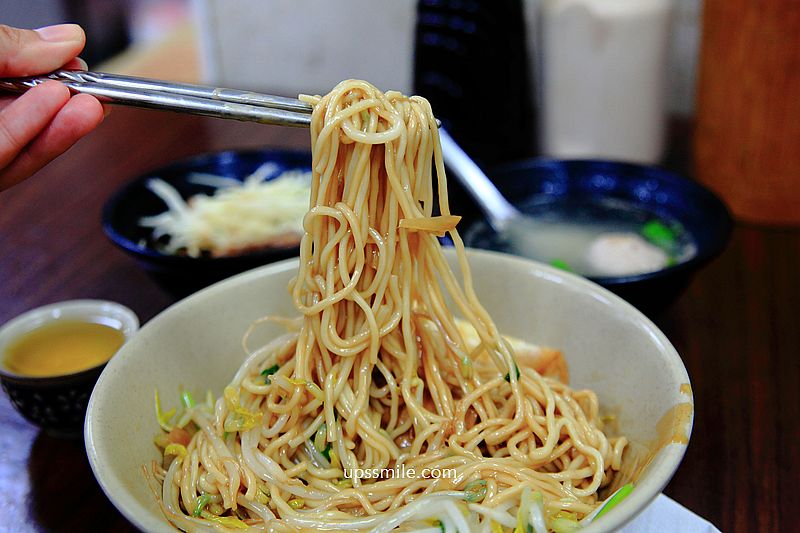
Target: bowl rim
[
  {"x": 660, "y": 469},
  {"x": 119, "y": 197},
  {"x": 73, "y": 309},
  {"x": 701, "y": 258}
]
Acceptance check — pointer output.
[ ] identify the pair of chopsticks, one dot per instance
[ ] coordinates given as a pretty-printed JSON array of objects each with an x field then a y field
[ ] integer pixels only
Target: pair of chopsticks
[{"x": 178, "y": 97}]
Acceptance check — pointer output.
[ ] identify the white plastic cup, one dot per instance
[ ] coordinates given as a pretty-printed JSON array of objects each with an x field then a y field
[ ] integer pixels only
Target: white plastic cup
[{"x": 603, "y": 78}]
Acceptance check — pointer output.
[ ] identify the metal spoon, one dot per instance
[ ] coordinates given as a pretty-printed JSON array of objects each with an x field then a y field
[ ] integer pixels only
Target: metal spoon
[
  {"x": 526, "y": 236},
  {"x": 499, "y": 212}
]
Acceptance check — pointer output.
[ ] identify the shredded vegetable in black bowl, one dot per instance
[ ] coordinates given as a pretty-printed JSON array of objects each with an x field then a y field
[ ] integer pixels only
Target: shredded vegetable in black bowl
[{"x": 201, "y": 220}]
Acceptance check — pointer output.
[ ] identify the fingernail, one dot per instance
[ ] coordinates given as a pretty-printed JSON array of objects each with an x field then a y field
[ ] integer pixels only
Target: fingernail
[
  {"x": 106, "y": 110},
  {"x": 61, "y": 33}
]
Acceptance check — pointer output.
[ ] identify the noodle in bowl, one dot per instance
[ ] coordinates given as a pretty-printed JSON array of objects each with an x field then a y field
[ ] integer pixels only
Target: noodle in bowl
[{"x": 376, "y": 378}]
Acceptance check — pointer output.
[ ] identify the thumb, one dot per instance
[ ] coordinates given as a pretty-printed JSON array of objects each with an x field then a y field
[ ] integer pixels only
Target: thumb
[{"x": 30, "y": 52}]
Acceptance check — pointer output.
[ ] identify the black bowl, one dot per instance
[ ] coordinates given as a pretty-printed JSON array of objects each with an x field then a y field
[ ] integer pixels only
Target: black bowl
[
  {"x": 653, "y": 190},
  {"x": 56, "y": 404},
  {"x": 179, "y": 274}
]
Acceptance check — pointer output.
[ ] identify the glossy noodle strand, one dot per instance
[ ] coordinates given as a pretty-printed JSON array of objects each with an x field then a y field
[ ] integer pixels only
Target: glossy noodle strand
[{"x": 376, "y": 374}]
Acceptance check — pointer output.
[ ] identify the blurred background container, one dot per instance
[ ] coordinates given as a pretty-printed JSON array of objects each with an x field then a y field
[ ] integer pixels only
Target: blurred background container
[
  {"x": 472, "y": 63},
  {"x": 293, "y": 46},
  {"x": 603, "y": 68}
]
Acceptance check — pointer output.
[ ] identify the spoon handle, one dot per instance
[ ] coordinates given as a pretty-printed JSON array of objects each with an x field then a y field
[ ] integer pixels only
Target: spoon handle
[{"x": 497, "y": 209}]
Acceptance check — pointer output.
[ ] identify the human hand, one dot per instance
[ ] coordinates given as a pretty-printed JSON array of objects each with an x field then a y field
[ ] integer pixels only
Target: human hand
[{"x": 46, "y": 120}]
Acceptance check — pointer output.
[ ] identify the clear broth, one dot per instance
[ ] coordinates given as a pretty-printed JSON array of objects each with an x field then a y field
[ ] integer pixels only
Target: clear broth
[{"x": 561, "y": 232}]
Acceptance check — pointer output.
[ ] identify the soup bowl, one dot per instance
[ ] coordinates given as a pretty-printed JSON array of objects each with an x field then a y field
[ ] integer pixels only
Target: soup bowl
[
  {"x": 610, "y": 347},
  {"x": 541, "y": 186}
]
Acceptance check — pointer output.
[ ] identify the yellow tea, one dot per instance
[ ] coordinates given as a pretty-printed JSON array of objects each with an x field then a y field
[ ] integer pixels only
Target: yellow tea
[{"x": 62, "y": 347}]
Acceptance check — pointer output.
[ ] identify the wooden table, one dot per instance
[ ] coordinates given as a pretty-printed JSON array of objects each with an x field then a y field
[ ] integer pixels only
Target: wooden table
[{"x": 736, "y": 328}]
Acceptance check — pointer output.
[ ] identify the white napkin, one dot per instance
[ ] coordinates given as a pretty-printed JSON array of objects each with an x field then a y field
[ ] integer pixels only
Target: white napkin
[{"x": 666, "y": 515}]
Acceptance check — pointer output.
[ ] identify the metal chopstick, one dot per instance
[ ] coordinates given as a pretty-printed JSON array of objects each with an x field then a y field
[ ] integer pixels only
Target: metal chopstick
[
  {"x": 179, "y": 97},
  {"x": 188, "y": 89}
]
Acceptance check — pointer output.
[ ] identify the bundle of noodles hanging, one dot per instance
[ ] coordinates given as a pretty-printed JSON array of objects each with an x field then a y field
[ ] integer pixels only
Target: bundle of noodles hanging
[{"x": 352, "y": 420}]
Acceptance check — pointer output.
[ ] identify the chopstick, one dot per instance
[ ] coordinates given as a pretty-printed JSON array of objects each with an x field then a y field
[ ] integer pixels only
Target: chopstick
[{"x": 179, "y": 97}]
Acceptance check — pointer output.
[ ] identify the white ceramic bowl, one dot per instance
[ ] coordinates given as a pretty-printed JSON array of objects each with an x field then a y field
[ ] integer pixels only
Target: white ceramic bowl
[{"x": 610, "y": 346}]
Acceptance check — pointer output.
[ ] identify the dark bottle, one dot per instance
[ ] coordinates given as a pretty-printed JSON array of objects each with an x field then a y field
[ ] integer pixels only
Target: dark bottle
[{"x": 471, "y": 63}]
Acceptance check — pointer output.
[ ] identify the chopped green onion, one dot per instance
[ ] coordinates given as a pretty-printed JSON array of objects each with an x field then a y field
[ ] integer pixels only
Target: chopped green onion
[
  {"x": 240, "y": 419},
  {"x": 435, "y": 522},
  {"x": 561, "y": 264},
  {"x": 612, "y": 502},
  {"x": 659, "y": 234},
  {"x": 162, "y": 416},
  {"x": 538, "y": 523},
  {"x": 523, "y": 512},
  {"x": 319, "y": 437},
  {"x": 507, "y": 377},
  {"x": 562, "y": 524},
  {"x": 326, "y": 452},
  {"x": 334, "y": 458},
  {"x": 475, "y": 491},
  {"x": 466, "y": 367},
  {"x": 262, "y": 494},
  {"x": 225, "y": 521},
  {"x": 187, "y": 400},
  {"x": 319, "y": 444},
  {"x": 200, "y": 504},
  {"x": 268, "y": 372}
]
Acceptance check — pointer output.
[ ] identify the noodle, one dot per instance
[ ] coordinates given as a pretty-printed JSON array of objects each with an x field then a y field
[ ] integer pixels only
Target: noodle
[{"x": 376, "y": 376}]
